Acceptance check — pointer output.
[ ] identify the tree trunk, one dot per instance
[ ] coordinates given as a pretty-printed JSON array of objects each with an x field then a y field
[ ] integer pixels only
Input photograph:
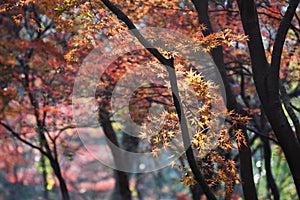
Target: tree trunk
[
  {"x": 247, "y": 169},
  {"x": 270, "y": 179},
  {"x": 122, "y": 179},
  {"x": 62, "y": 184}
]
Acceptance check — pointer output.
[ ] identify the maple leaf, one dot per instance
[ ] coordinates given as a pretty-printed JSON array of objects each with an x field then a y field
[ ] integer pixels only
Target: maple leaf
[
  {"x": 171, "y": 134},
  {"x": 173, "y": 163},
  {"x": 240, "y": 138}
]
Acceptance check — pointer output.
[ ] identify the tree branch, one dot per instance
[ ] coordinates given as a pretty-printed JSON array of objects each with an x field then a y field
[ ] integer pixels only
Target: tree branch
[
  {"x": 17, "y": 135},
  {"x": 286, "y": 102},
  {"x": 284, "y": 26}
]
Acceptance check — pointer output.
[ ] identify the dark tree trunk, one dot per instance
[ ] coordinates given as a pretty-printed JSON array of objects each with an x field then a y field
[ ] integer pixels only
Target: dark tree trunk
[
  {"x": 122, "y": 179},
  {"x": 62, "y": 183},
  {"x": 270, "y": 179},
  {"x": 196, "y": 191},
  {"x": 247, "y": 169}
]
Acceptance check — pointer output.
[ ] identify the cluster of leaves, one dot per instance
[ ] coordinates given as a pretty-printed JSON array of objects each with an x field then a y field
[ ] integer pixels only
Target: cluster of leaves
[
  {"x": 209, "y": 138},
  {"x": 225, "y": 37}
]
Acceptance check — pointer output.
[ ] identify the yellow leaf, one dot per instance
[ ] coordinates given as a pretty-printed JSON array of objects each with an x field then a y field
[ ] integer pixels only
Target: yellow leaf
[{"x": 51, "y": 183}]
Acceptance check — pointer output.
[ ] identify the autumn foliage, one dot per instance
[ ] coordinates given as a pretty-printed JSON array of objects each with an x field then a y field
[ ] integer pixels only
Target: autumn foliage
[{"x": 240, "y": 145}]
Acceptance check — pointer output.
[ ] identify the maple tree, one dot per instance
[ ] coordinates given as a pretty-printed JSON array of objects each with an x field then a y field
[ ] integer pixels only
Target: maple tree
[
  {"x": 43, "y": 44},
  {"x": 34, "y": 95}
]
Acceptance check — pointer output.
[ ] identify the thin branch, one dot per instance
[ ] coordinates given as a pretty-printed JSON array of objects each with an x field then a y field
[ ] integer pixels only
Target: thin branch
[
  {"x": 295, "y": 92},
  {"x": 50, "y": 137},
  {"x": 120, "y": 15},
  {"x": 295, "y": 108},
  {"x": 63, "y": 129},
  {"x": 286, "y": 102},
  {"x": 262, "y": 135},
  {"x": 293, "y": 27},
  {"x": 240, "y": 66},
  {"x": 17, "y": 135},
  {"x": 145, "y": 3},
  {"x": 255, "y": 131},
  {"x": 242, "y": 84}
]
